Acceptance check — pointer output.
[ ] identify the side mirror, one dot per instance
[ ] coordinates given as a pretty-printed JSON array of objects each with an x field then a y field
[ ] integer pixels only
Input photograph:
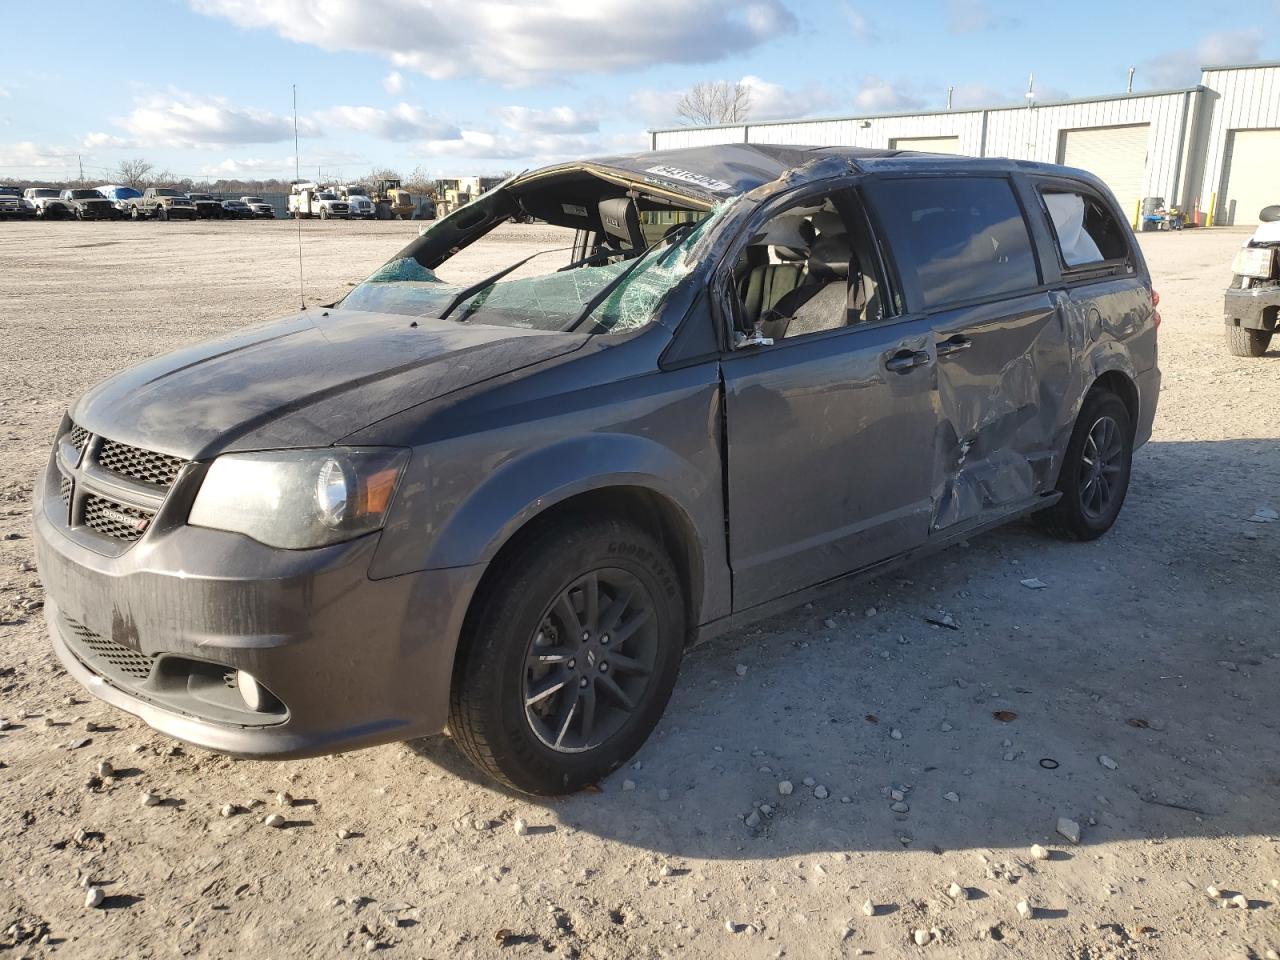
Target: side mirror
[{"x": 1270, "y": 214}]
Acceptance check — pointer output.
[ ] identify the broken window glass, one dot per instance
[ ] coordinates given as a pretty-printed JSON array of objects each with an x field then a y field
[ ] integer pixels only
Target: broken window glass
[{"x": 552, "y": 301}]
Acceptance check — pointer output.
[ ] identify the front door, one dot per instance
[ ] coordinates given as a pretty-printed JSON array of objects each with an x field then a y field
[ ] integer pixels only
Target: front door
[{"x": 828, "y": 428}]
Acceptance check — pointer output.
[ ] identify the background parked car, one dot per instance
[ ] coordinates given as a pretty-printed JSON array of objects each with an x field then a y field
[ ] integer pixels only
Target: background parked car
[
  {"x": 88, "y": 204},
  {"x": 48, "y": 205},
  {"x": 259, "y": 207},
  {"x": 236, "y": 210},
  {"x": 163, "y": 203},
  {"x": 207, "y": 207},
  {"x": 14, "y": 206},
  {"x": 119, "y": 196}
]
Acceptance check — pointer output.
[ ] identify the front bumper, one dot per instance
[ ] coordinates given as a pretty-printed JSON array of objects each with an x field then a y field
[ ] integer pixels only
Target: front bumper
[
  {"x": 1257, "y": 308},
  {"x": 97, "y": 212},
  {"x": 354, "y": 662}
]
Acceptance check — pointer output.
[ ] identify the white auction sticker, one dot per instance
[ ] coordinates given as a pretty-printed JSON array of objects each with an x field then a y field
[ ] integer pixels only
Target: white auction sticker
[{"x": 688, "y": 176}]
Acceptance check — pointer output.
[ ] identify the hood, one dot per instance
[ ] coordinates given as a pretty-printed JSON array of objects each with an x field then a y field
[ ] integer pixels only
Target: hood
[
  {"x": 306, "y": 380},
  {"x": 1266, "y": 233}
]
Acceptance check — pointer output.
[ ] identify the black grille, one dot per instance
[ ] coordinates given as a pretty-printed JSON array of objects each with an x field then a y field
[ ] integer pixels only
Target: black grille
[
  {"x": 79, "y": 437},
  {"x": 157, "y": 469},
  {"x": 111, "y": 656},
  {"x": 116, "y": 520}
]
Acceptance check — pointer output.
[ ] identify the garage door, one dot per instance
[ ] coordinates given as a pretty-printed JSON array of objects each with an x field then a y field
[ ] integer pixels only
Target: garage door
[
  {"x": 1250, "y": 175},
  {"x": 927, "y": 144},
  {"x": 1116, "y": 155}
]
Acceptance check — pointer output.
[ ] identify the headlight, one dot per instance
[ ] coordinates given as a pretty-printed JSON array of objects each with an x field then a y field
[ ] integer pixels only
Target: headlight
[
  {"x": 300, "y": 498},
  {"x": 1254, "y": 262}
]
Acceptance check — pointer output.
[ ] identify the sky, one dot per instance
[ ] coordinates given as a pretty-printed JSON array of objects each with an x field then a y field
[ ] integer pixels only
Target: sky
[{"x": 203, "y": 88}]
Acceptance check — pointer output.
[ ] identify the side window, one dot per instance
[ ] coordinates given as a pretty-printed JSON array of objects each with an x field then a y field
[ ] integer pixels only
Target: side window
[
  {"x": 956, "y": 238},
  {"x": 807, "y": 269},
  {"x": 1087, "y": 232}
]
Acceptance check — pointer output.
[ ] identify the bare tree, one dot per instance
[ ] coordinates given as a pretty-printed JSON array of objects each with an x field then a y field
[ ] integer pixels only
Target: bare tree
[
  {"x": 385, "y": 173},
  {"x": 715, "y": 102},
  {"x": 134, "y": 173}
]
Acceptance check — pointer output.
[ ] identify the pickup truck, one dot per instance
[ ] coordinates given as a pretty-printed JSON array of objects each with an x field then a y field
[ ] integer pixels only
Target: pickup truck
[
  {"x": 162, "y": 203},
  {"x": 1253, "y": 299},
  {"x": 207, "y": 206}
]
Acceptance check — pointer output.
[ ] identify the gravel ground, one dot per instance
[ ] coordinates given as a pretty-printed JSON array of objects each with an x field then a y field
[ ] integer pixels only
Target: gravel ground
[{"x": 1155, "y": 648}]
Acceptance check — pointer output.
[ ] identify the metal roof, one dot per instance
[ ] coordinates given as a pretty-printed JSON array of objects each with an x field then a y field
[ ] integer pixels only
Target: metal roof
[{"x": 953, "y": 113}]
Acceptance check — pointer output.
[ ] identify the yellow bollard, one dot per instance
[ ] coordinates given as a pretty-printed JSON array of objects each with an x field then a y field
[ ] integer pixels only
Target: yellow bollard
[
  {"x": 1137, "y": 216},
  {"x": 1213, "y": 206}
]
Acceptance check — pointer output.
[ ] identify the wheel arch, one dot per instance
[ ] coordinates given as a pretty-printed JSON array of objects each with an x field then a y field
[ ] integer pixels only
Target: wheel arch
[
  {"x": 653, "y": 511},
  {"x": 1123, "y": 386}
]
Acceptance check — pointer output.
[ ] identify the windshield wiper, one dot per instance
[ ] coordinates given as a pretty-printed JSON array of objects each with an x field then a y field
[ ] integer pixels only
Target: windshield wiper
[
  {"x": 468, "y": 292},
  {"x": 675, "y": 237}
]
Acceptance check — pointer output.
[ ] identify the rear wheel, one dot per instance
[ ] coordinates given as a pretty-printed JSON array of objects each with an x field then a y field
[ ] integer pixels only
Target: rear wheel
[
  {"x": 571, "y": 659},
  {"x": 1243, "y": 342},
  {"x": 1095, "y": 470}
]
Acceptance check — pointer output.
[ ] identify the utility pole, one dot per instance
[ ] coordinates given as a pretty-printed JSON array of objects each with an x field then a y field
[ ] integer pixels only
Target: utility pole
[{"x": 80, "y": 160}]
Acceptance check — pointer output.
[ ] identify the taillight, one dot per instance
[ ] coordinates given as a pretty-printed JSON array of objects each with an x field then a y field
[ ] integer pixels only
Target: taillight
[{"x": 1155, "y": 314}]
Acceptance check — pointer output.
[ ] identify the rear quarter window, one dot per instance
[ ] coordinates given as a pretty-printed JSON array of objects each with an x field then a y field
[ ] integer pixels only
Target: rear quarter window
[
  {"x": 1086, "y": 231},
  {"x": 956, "y": 238}
]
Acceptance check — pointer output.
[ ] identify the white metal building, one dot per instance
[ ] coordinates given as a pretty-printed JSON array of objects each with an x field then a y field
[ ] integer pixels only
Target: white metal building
[{"x": 1214, "y": 143}]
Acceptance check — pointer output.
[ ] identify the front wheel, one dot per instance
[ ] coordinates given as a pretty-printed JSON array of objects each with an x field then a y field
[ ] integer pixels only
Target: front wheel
[
  {"x": 1243, "y": 342},
  {"x": 571, "y": 657},
  {"x": 1095, "y": 470}
]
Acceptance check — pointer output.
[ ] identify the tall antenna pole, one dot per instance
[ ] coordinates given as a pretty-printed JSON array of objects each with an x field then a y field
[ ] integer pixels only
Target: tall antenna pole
[
  {"x": 297, "y": 166},
  {"x": 1132, "y": 71}
]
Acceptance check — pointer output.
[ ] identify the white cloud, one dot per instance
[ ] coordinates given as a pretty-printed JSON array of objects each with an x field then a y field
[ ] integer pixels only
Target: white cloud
[
  {"x": 98, "y": 138},
  {"x": 4, "y": 93},
  {"x": 512, "y": 43},
  {"x": 878, "y": 95},
  {"x": 184, "y": 119},
  {"x": 657, "y": 108},
  {"x": 531, "y": 150},
  {"x": 393, "y": 83},
  {"x": 247, "y": 168},
  {"x": 773, "y": 101},
  {"x": 1182, "y": 67},
  {"x": 769, "y": 101},
  {"x": 975, "y": 16},
  {"x": 552, "y": 120},
  {"x": 27, "y": 155},
  {"x": 861, "y": 28},
  {"x": 402, "y": 122}
]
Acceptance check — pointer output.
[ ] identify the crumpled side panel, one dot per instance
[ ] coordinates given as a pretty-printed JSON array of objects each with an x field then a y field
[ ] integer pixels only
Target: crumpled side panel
[{"x": 1001, "y": 408}]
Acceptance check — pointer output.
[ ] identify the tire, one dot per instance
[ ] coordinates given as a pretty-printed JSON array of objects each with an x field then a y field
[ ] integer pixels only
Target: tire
[
  {"x": 162, "y": 212},
  {"x": 324, "y": 213},
  {"x": 135, "y": 214},
  {"x": 508, "y": 701},
  {"x": 1092, "y": 496},
  {"x": 1243, "y": 342}
]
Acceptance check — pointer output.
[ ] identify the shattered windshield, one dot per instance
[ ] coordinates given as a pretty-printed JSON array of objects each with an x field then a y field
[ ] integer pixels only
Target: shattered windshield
[{"x": 548, "y": 292}]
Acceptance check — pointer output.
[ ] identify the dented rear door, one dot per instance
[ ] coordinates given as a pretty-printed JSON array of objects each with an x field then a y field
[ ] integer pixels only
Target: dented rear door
[{"x": 966, "y": 260}]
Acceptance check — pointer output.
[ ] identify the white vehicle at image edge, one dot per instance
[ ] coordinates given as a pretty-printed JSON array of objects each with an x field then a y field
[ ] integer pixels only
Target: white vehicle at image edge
[{"x": 1252, "y": 303}]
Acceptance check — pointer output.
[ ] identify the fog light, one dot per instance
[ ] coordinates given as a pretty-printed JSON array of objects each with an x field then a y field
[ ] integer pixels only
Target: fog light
[{"x": 256, "y": 697}]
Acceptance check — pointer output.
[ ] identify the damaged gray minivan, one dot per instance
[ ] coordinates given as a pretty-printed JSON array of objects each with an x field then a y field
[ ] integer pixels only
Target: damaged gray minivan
[{"x": 505, "y": 504}]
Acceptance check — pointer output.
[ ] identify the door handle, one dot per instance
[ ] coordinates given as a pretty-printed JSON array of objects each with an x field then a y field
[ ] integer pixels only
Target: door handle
[
  {"x": 906, "y": 360},
  {"x": 954, "y": 345}
]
